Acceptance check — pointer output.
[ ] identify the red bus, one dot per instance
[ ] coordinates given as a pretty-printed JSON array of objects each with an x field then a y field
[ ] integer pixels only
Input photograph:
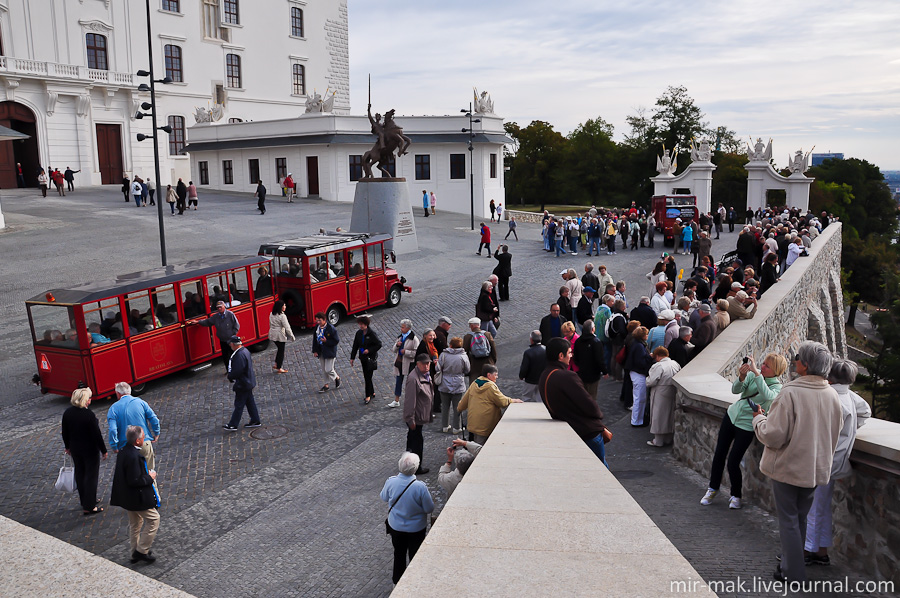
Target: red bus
[
  {"x": 666, "y": 208},
  {"x": 335, "y": 273},
  {"x": 136, "y": 328}
]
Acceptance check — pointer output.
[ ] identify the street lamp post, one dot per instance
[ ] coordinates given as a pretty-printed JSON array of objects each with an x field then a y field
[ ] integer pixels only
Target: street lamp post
[
  {"x": 471, "y": 148},
  {"x": 151, "y": 105}
]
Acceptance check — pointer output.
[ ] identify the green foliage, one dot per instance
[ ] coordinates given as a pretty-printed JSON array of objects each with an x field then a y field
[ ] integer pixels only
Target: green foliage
[
  {"x": 855, "y": 191},
  {"x": 534, "y": 167},
  {"x": 868, "y": 263},
  {"x": 677, "y": 119},
  {"x": 884, "y": 368},
  {"x": 729, "y": 184}
]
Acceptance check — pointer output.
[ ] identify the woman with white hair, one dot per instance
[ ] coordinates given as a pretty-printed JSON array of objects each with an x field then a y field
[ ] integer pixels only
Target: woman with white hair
[
  {"x": 855, "y": 412},
  {"x": 410, "y": 503},
  {"x": 84, "y": 442},
  {"x": 799, "y": 434}
]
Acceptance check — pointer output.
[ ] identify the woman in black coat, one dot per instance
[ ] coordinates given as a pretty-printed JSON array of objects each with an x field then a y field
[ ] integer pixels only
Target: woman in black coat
[
  {"x": 83, "y": 441},
  {"x": 366, "y": 345},
  {"x": 769, "y": 273}
]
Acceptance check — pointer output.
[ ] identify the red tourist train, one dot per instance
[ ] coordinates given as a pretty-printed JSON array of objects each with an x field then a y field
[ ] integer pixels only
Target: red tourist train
[
  {"x": 140, "y": 326},
  {"x": 666, "y": 208}
]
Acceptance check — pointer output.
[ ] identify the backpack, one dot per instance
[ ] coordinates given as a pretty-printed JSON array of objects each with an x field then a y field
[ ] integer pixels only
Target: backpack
[
  {"x": 608, "y": 328},
  {"x": 611, "y": 229},
  {"x": 480, "y": 347}
]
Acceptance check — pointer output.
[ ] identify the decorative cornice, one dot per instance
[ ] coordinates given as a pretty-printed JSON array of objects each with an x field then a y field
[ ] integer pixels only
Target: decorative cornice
[{"x": 95, "y": 25}]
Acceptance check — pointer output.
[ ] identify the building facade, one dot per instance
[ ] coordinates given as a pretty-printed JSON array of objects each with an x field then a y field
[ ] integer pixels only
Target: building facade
[
  {"x": 68, "y": 76},
  {"x": 324, "y": 153}
]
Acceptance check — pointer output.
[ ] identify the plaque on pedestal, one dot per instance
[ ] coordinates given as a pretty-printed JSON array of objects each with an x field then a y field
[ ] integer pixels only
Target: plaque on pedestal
[{"x": 381, "y": 205}]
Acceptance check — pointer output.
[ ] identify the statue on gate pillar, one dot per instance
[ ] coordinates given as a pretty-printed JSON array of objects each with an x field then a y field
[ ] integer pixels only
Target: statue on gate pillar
[
  {"x": 798, "y": 164},
  {"x": 759, "y": 153},
  {"x": 666, "y": 164}
]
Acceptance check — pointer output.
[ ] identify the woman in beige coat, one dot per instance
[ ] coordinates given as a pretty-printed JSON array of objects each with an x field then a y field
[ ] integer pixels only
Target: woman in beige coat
[
  {"x": 662, "y": 397},
  {"x": 279, "y": 332}
]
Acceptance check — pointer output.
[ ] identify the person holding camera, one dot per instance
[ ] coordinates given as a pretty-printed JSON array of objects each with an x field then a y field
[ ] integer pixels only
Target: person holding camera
[
  {"x": 760, "y": 385},
  {"x": 459, "y": 457}
]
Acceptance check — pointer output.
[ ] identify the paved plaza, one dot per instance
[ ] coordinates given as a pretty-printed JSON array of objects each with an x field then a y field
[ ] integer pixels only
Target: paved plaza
[{"x": 292, "y": 509}]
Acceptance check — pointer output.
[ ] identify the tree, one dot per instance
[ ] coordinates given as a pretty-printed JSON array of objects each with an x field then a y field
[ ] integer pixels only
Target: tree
[
  {"x": 884, "y": 368},
  {"x": 729, "y": 185},
  {"x": 868, "y": 208},
  {"x": 727, "y": 141},
  {"x": 588, "y": 173},
  {"x": 677, "y": 119},
  {"x": 532, "y": 169}
]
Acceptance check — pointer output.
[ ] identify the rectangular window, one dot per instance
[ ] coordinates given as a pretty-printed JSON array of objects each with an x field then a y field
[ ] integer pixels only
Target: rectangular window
[
  {"x": 192, "y": 299},
  {"x": 173, "y": 63},
  {"x": 423, "y": 167},
  {"x": 238, "y": 289},
  {"x": 296, "y": 22},
  {"x": 227, "y": 172},
  {"x": 176, "y": 137},
  {"x": 262, "y": 281},
  {"x": 52, "y": 325},
  {"x": 392, "y": 166},
  {"x": 299, "y": 79},
  {"x": 356, "y": 170},
  {"x": 233, "y": 70},
  {"x": 203, "y": 167},
  {"x": 457, "y": 166},
  {"x": 280, "y": 169},
  {"x": 96, "y": 52},
  {"x": 164, "y": 309},
  {"x": 211, "y": 28},
  {"x": 103, "y": 318},
  {"x": 493, "y": 166},
  {"x": 230, "y": 12},
  {"x": 171, "y": 5},
  {"x": 376, "y": 259},
  {"x": 140, "y": 316},
  {"x": 254, "y": 171}
]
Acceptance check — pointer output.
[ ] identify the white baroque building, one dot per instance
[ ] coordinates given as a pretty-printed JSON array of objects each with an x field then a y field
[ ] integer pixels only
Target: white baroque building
[
  {"x": 68, "y": 76},
  {"x": 324, "y": 154}
]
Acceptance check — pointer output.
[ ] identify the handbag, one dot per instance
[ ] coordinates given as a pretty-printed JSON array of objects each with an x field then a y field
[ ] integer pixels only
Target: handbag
[
  {"x": 387, "y": 526},
  {"x": 620, "y": 356},
  {"x": 65, "y": 481},
  {"x": 438, "y": 375}
]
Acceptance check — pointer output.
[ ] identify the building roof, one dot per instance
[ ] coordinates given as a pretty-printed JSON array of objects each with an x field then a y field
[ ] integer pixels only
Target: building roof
[
  {"x": 319, "y": 244},
  {"x": 339, "y": 138},
  {"x": 136, "y": 281}
]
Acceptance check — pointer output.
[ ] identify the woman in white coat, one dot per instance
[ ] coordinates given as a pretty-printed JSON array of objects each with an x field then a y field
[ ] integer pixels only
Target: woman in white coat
[
  {"x": 279, "y": 333},
  {"x": 662, "y": 397}
]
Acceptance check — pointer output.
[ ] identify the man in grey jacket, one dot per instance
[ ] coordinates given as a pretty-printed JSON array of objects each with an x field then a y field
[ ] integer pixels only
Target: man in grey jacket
[{"x": 226, "y": 325}]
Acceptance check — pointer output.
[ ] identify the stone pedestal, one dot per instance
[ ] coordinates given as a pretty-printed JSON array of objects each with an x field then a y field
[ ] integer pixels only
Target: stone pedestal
[{"x": 381, "y": 205}]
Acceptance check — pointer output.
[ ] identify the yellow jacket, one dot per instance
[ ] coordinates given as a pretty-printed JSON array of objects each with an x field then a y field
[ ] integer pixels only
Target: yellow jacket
[{"x": 484, "y": 401}]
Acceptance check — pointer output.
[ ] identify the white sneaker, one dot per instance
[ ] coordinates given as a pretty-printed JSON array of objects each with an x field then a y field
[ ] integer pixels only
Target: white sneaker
[
  {"x": 394, "y": 404},
  {"x": 447, "y": 430},
  {"x": 735, "y": 503},
  {"x": 455, "y": 431},
  {"x": 708, "y": 497}
]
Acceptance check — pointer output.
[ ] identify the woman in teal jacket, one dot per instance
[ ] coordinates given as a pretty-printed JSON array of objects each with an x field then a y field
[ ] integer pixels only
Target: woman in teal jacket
[{"x": 736, "y": 433}]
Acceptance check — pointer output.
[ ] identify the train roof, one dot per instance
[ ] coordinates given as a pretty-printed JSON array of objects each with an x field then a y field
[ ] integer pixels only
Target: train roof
[
  {"x": 319, "y": 244},
  {"x": 136, "y": 281}
]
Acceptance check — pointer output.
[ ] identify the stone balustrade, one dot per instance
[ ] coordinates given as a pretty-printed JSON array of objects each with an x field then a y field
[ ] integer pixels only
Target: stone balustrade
[
  {"x": 537, "y": 513},
  {"x": 12, "y": 66},
  {"x": 806, "y": 304}
]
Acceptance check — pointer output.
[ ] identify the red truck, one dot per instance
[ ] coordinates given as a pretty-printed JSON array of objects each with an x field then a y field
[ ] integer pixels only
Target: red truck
[{"x": 666, "y": 208}]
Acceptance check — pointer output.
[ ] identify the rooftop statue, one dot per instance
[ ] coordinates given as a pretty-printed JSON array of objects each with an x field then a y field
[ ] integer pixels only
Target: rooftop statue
[
  {"x": 666, "y": 164},
  {"x": 759, "y": 153},
  {"x": 208, "y": 115},
  {"x": 315, "y": 102},
  {"x": 799, "y": 163},
  {"x": 702, "y": 153},
  {"x": 483, "y": 104}
]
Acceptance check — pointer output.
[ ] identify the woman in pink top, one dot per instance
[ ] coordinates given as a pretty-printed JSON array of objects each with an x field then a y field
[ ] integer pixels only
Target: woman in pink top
[{"x": 192, "y": 195}]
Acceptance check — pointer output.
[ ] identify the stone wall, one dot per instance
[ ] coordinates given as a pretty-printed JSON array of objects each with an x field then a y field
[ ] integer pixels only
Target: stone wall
[{"x": 806, "y": 304}]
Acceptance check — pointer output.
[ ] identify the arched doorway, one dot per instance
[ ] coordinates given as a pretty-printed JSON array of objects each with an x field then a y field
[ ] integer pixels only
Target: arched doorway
[{"x": 19, "y": 118}]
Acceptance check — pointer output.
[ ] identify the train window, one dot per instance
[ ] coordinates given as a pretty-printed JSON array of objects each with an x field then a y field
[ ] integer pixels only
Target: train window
[
  {"x": 356, "y": 262},
  {"x": 164, "y": 306},
  {"x": 376, "y": 260},
  {"x": 336, "y": 260},
  {"x": 104, "y": 318},
  {"x": 192, "y": 299},
  {"x": 319, "y": 270},
  {"x": 237, "y": 286},
  {"x": 54, "y": 325},
  {"x": 216, "y": 288},
  {"x": 262, "y": 281},
  {"x": 140, "y": 316}
]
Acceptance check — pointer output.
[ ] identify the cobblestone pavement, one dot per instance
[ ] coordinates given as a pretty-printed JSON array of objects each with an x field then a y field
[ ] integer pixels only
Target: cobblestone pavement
[{"x": 292, "y": 509}]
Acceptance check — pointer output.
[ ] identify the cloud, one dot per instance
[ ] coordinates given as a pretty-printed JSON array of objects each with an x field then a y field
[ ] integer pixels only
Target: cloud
[{"x": 824, "y": 74}]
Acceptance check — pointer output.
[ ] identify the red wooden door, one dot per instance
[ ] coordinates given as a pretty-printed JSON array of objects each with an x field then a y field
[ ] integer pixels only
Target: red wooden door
[
  {"x": 312, "y": 175},
  {"x": 109, "y": 154}
]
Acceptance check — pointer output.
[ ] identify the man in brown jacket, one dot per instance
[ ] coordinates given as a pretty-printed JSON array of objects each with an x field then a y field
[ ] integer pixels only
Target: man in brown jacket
[
  {"x": 800, "y": 434},
  {"x": 484, "y": 402},
  {"x": 417, "y": 401},
  {"x": 566, "y": 399}
]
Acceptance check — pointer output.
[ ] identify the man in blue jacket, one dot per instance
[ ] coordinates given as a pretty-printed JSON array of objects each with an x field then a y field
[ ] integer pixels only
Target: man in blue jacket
[
  {"x": 324, "y": 347},
  {"x": 132, "y": 411},
  {"x": 240, "y": 371}
]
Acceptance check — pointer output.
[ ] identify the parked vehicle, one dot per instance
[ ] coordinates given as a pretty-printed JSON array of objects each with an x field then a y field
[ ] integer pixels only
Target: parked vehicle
[{"x": 666, "y": 208}]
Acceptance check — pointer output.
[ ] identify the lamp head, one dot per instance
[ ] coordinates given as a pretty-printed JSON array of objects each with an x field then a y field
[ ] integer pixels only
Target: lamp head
[{"x": 143, "y": 73}]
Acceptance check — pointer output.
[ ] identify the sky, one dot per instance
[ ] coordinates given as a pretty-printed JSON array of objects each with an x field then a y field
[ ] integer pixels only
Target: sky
[{"x": 823, "y": 74}]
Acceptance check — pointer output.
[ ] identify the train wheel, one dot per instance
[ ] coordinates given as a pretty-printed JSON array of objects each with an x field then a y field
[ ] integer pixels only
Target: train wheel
[
  {"x": 260, "y": 346},
  {"x": 138, "y": 389},
  {"x": 394, "y": 295},
  {"x": 333, "y": 315}
]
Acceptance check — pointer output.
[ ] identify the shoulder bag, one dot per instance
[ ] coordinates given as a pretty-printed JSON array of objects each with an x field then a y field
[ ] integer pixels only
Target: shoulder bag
[
  {"x": 65, "y": 481},
  {"x": 387, "y": 526}
]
